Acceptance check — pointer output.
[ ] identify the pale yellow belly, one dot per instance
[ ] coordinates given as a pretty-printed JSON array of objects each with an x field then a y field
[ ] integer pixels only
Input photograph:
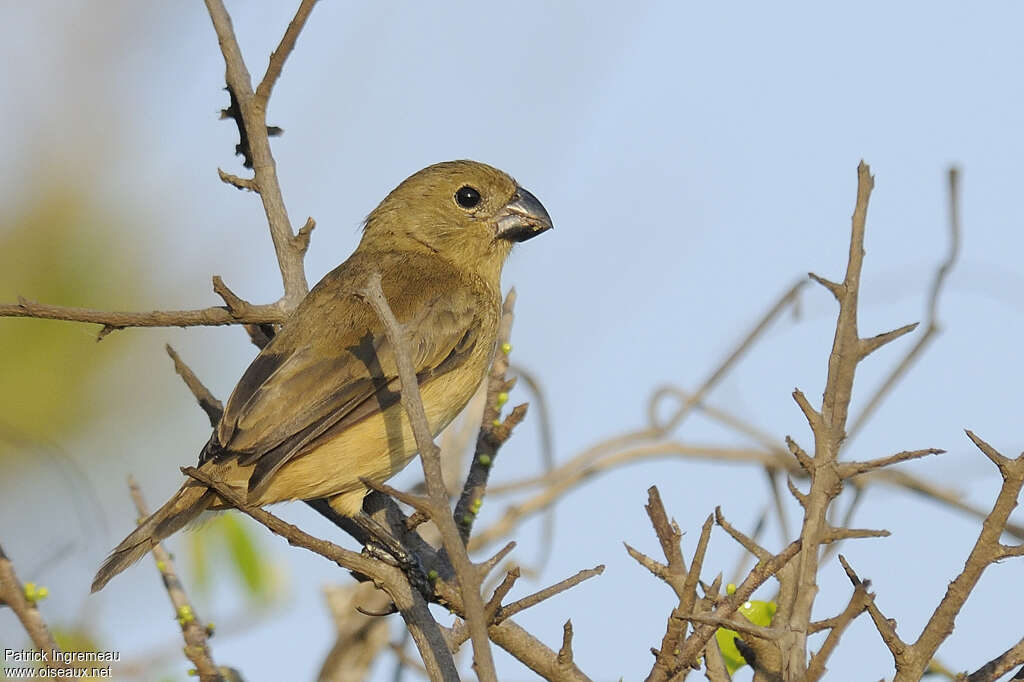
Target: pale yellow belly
[{"x": 376, "y": 448}]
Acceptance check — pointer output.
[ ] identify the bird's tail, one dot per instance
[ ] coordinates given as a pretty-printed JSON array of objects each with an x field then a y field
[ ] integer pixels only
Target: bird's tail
[{"x": 188, "y": 503}]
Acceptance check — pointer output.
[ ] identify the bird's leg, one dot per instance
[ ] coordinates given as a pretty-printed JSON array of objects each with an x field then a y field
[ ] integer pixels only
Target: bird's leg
[
  {"x": 383, "y": 545},
  {"x": 379, "y": 543}
]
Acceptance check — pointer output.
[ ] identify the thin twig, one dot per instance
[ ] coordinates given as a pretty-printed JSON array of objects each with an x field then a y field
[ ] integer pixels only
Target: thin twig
[
  {"x": 493, "y": 431},
  {"x": 515, "y": 607},
  {"x": 856, "y": 606},
  {"x": 999, "y": 666},
  {"x": 115, "y": 320},
  {"x": 207, "y": 401},
  {"x": 933, "y": 326},
  {"x": 424, "y": 629},
  {"x": 284, "y": 48},
  {"x": 193, "y": 631},
  {"x": 12, "y": 593},
  {"x": 252, "y": 112}
]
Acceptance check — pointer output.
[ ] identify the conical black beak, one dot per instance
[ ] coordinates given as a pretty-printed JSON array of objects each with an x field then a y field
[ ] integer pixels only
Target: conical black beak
[{"x": 523, "y": 218}]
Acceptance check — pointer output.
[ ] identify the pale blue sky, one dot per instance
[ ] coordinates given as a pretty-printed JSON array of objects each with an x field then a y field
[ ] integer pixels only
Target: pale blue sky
[{"x": 696, "y": 160}]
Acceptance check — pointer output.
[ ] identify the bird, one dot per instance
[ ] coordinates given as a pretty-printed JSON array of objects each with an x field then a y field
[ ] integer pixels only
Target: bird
[{"x": 318, "y": 410}]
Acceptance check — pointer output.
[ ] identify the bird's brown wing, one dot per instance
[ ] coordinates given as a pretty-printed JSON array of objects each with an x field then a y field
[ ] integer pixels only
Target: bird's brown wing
[{"x": 313, "y": 381}]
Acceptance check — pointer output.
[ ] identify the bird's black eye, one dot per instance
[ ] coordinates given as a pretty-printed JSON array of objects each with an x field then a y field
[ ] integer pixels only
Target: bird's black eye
[{"x": 467, "y": 197}]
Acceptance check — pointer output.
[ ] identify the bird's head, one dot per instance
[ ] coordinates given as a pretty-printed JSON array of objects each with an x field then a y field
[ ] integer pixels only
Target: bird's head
[{"x": 464, "y": 211}]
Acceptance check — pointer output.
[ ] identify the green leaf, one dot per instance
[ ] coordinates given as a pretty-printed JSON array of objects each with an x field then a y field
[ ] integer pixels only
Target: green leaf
[
  {"x": 245, "y": 556},
  {"x": 758, "y": 613}
]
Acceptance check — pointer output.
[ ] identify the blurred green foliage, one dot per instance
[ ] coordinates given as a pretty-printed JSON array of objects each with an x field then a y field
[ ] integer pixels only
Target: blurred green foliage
[
  {"x": 60, "y": 247},
  {"x": 76, "y": 639},
  {"x": 228, "y": 536}
]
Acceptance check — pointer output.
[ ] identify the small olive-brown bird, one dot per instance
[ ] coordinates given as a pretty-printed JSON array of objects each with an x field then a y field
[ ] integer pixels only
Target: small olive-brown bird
[{"x": 318, "y": 409}]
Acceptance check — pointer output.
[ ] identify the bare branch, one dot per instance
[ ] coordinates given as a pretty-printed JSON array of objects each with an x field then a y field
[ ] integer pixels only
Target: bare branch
[
  {"x": 761, "y": 572},
  {"x": 565, "y": 653},
  {"x": 933, "y": 326},
  {"x": 886, "y": 627},
  {"x": 252, "y": 117},
  {"x": 850, "y": 469},
  {"x": 534, "y": 654},
  {"x": 869, "y": 346},
  {"x": 986, "y": 551},
  {"x": 714, "y": 664},
  {"x": 856, "y": 606},
  {"x": 795, "y": 492},
  {"x": 430, "y": 458},
  {"x": 207, "y": 401},
  {"x": 194, "y": 632},
  {"x": 828, "y": 426},
  {"x": 304, "y": 234},
  {"x": 669, "y": 658},
  {"x": 657, "y": 569},
  {"x": 284, "y": 48},
  {"x": 813, "y": 416},
  {"x": 487, "y": 566},
  {"x": 668, "y": 532},
  {"x": 501, "y": 591},
  {"x": 244, "y": 184},
  {"x": 999, "y": 666},
  {"x": 757, "y": 550},
  {"x": 114, "y": 320},
  {"x": 801, "y": 456},
  {"x": 493, "y": 431},
  {"x": 838, "y": 534},
  {"x": 12, "y": 593},
  {"x": 993, "y": 455},
  {"x": 738, "y": 624},
  {"x": 424, "y": 629},
  {"x": 835, "y": 289},
  {"x": 506, "y": 612}
]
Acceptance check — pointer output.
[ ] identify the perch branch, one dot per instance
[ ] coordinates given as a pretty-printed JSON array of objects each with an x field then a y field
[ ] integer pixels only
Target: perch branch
[{"x": 430, "y": 458}]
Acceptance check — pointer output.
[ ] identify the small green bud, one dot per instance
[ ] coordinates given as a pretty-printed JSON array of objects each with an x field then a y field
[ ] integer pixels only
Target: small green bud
[
  {"x": 161, "y": 566},
  {"x": 477, "y": 503},
  {"x": 210, "y": 629},
  {"x": 431, "y": 575},
  {"x": 506, "y": 348},
  {"x": 496, "y": 422},
  {"x": 485, "y": 460},
  {"x": 467, "y": 519},
  {"x": 35, "y": 593},
  {"x": 502, "y": 398},
  {"x": 192, "y": 672}
]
